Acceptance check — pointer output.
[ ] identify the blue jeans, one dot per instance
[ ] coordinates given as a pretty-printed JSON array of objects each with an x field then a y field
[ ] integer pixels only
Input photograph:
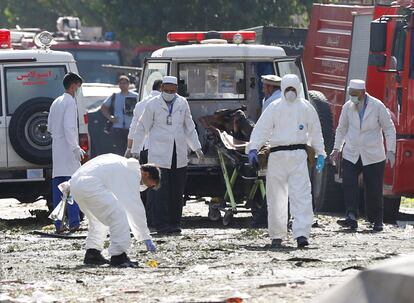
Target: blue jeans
[{"x": 72, "y": 210}]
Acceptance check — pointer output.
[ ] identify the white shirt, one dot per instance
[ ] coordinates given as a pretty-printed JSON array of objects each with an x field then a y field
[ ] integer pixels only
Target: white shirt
[
  {"x": 161, "y": 136},
  {"x": 63, "y": 126},
  {"x": 365, "y": 138},
  {"x": 138, "y": 110}
]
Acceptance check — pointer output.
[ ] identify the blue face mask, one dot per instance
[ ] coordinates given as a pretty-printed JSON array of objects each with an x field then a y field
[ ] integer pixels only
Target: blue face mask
[{"x": 354, "y": 99}]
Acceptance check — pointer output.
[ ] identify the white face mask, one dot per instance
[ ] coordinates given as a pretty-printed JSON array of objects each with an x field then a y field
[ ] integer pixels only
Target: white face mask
[
  {"x": 290, "y": 96},
  {"x": 354, "y": 99},
  {"x": 78, "y": 92},
  {"x": 168, "y": 97}
]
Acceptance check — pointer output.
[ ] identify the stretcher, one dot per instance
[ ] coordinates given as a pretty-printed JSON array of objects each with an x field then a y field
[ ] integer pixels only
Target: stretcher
[{"x": 234, "y": 166}]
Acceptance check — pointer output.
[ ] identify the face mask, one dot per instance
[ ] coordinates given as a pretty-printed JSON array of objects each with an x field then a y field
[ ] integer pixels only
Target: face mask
[
  {"x": 168, "y": 97},
  {"x": 78, "y": 92},
  {"x": 354, "y": 99},
  {"x": 290, "y": 96}
]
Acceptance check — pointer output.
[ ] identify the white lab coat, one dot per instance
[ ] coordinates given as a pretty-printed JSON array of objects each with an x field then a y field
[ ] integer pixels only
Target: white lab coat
[
  {"x": 107, "y": 190},
  {"x": 138, "y": 110},
  {"x": 161, "y": 136},
  {"x": 287, "y": 123},
  {"x": 63, "y": 126},
  {"x": 365, "y": 140}
]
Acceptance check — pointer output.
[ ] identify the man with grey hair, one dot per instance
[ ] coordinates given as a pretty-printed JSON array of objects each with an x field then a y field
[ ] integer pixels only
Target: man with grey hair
[{"x": 363, "y": 121}]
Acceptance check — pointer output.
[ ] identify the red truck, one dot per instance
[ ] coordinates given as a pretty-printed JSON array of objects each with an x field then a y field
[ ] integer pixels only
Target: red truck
[
  {"x": 88, "y": 45},
  {"x": 372, "y": 43}
]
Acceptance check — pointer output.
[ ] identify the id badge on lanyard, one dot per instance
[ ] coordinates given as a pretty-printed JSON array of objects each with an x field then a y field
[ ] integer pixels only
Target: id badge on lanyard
[{"x": 169, "y": 117}]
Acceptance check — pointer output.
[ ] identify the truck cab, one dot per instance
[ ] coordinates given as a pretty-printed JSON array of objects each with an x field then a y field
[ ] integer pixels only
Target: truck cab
[
  {"x": 29, "y": 82},
  {"x": 220, "y": 73}
]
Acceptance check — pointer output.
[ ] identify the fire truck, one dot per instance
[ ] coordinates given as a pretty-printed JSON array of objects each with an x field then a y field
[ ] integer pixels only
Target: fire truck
[
  {"x": 88, "y": 45},
  {"x": 373, "y": 43}
]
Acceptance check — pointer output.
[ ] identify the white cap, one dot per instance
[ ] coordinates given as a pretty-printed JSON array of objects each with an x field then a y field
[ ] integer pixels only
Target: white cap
[
  {"x": 356, "y": 84},
  {"x": 271, "y": 80},
  {"x": 169, "y": 80}
]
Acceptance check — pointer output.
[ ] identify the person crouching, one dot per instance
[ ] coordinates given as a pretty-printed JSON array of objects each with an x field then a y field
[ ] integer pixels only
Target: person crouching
[{"x": 107, "y": 191}]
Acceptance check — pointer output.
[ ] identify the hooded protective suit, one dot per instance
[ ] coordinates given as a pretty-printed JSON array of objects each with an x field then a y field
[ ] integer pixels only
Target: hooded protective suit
[
  {"x": 107, "y": 191},
  {"x": 286, "y": 123}
]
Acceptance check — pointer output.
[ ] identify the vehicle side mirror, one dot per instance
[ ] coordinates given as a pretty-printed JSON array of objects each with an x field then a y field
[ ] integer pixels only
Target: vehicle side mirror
[
  {"x": 241, "y": 87},
  {"x": 378, "y": 37},
  {"x": 182, "y": 89}
]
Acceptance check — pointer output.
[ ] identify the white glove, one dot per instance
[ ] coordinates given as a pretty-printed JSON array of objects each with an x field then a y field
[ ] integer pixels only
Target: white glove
[
  {"x": 200, "y": 154},
  {"x": 79, "y": 153},
  {"x": 390, "y": 158},
  {"x": 128, "y": 153}
]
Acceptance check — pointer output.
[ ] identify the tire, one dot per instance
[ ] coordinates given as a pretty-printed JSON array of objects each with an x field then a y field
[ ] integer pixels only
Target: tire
[
  {"x": 391, "y": 209},
  {"x": 28, "y": 131},
  {"x": 326, "y": 193}
]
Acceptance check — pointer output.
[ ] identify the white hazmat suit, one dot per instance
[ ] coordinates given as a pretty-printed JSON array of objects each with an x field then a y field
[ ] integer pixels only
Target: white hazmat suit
[
  {"x": 107, "y": 191},
  {"x": 286, "y": 123}
]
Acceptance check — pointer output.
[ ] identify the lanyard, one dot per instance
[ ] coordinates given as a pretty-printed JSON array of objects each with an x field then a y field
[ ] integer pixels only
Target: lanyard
[{"x": 170, "y": 107}]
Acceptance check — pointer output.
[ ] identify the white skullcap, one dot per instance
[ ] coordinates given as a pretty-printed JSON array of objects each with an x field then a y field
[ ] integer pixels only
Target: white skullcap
[
  {"x": 356, "y": 84},
  {"x": 169, "y": 80},
  {"x": 271, "y": 80}
]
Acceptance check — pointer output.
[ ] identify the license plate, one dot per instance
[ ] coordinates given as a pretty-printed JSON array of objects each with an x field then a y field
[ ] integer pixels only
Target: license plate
[{"x": 36, "y": 173}]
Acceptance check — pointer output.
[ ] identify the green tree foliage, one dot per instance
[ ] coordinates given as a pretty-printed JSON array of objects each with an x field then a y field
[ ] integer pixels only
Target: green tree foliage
[{"x": 148, "y": 21}]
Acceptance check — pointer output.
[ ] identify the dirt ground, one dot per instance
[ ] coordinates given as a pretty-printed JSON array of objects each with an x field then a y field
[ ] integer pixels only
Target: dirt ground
[{"x": 206, "y": 263}]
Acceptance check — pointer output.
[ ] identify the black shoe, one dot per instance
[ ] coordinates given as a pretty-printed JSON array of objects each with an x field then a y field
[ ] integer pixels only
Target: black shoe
[
  {"x": 302, "y": 241},
  {"x": 276, "y": 243},
  {"x": 94, "y": 257},
  {"x": 122, "y": 260},
  {"x": 348, "y": 222},
  {"x": 378, "y": 227}
]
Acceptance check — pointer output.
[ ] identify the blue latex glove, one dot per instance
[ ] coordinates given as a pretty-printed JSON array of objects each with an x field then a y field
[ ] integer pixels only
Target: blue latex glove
[
  {"x": 253, "y": 160},
  {"x": 320, "y": 163},
  {"x": 150, "y": 245}
]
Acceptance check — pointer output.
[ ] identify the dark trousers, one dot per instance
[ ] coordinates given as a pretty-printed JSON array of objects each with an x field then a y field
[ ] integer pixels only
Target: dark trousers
[
  {"x": 373, "y": 175},
  {"x": 72, "y": 210},
  {"x": 119, "y": 138}
]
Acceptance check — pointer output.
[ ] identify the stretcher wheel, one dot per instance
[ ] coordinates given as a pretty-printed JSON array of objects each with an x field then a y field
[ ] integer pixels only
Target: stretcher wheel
[
  {"x": 227, "y": 218},
  {"x": 213, "y": 213}
]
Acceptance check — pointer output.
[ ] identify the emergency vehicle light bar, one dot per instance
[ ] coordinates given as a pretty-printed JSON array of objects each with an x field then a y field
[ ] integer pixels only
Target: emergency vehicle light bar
[
  {"x": 180, "y": 37},
  {"x": 5, "y": 40}
]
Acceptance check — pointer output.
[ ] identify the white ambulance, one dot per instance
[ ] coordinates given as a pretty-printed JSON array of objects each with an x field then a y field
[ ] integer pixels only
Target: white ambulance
[
  {"x": 222, "y": 70},
  {"x": 30, "y": 81}
]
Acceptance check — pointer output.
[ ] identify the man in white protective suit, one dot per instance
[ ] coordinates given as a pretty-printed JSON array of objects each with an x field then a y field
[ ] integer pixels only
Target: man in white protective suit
[
  {"x": 288, "y": 125},
  {"x": 107, "y": 191},
  {"x": 62, "y": 124}
]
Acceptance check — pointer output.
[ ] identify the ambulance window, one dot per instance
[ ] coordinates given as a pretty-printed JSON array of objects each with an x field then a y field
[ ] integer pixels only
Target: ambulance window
[
  {"x": 152, "y": 71},
  {"x": 289, "y": 67},
  {"x": 25, "y": 83},
  {"x": 219, "y": 81}
]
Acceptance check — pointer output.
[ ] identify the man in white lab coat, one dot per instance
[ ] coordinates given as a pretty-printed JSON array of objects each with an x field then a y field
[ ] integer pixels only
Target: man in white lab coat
[
  {"x": 170, "y": 128},
  {"x": 138, "y": 110},
  {"x": 66, "y": 152},
  {"x": 107, "y": 190},
  {"x": 363, "y": 121},
  {"x": 288, "y": 125}
]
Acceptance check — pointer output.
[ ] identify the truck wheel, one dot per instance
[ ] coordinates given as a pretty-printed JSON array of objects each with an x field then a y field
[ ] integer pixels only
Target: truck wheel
[
  {"x": 326, "y": 194},
  {"x": 391, "y": 209},
  {"x": 28, "y": 131}
]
